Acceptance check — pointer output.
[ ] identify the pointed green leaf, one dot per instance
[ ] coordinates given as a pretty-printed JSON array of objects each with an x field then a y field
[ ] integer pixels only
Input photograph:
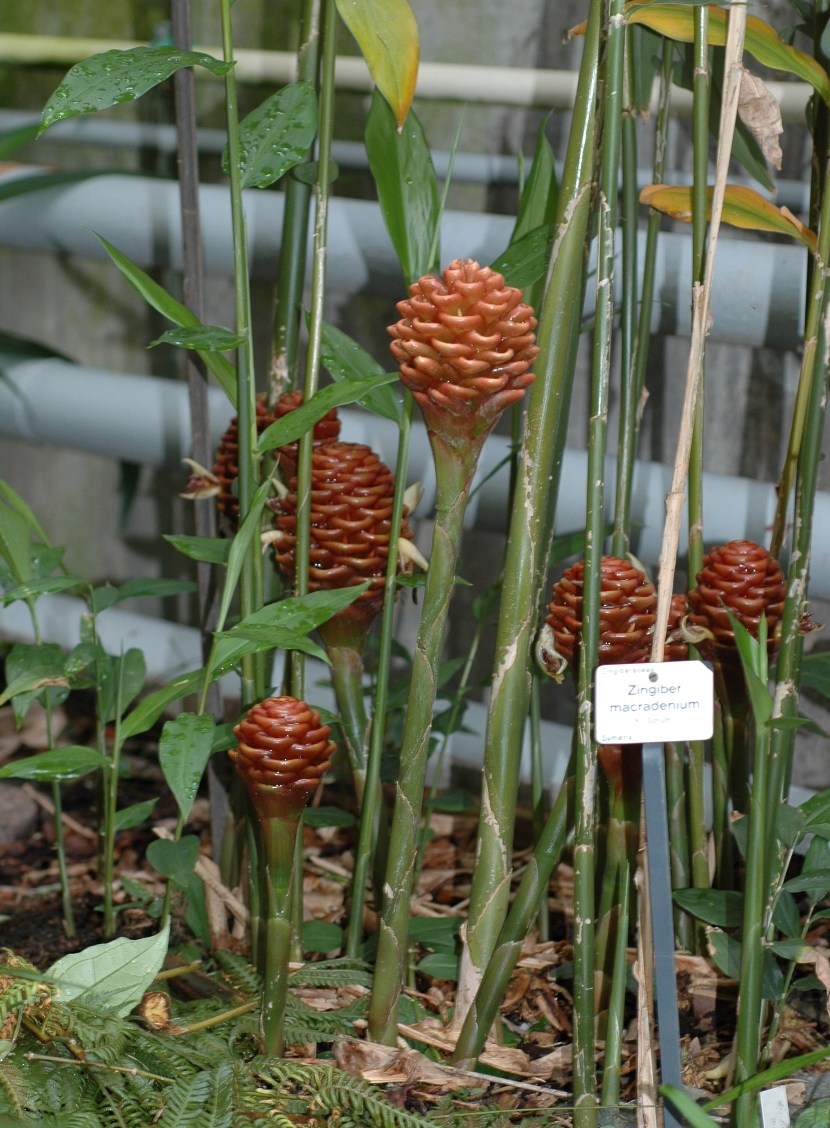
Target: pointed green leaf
[
  {"x": 147, "y": 712},
  {"x": 111, "y": 978},
  {"x": 345, "y": 359},
  {"x": 13, "y": 498},
  {"x": 15, "y": 139},
  {"x": 816, "y": 884},
  {"x": 134, "y": 815},
  {"x": 158, "y": 298},
  {"x": 248, "y": 532},
  {"x": 184, "y": 750},
  {"x": 211, "y": 550},
  {"x": 204, "y": 338},
  {"x": 56, "y": 765},
  {"x": 297, "y": 422},
  {"x": 676, "y": 21},
  {"x": 720, "y": 907},
  {"x": 401, "y": 164},
  {"x": 34, "y": 588},
  {"x": 815, "y": 672},
  {"x": 526, "y": 260},
  {"x": 780, "y": 1072},
  {"x": 276, "y": 135},
  {"x": 387, "y": 34},
  {"x": 692, "y": 1113},
  {"x": 16, "y": 544},
  {"x": 439, "y": 965},
  {"x": 321, "y": 936},
  {"x": 537, "y": 207},
  {"x": 105, "y": 80}
]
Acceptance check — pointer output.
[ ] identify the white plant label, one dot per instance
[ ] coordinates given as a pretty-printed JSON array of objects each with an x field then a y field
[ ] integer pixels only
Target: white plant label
[
  {"x": 772, "y": 1104},
  {"x": 653, "y": 702}
]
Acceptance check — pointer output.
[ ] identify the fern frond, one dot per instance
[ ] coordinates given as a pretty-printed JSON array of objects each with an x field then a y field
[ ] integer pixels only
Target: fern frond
[
  {"x": 16, "y": 1089},
  {"x": 238, "y": 973},
  {"x": 185, "y": 1102},
  {"x": 333, "y": 973},
  {"x": 305, "y": 1024}
]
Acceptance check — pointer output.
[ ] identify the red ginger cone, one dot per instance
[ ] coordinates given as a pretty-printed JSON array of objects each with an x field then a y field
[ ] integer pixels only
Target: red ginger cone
[
  {"x": 226, "y": 467},
  {"x": 465, "y": 343},
  {"x": 742, "y": 575},
  {"x": 628, "y": 610},
  {"x": 283, "y": 752},
  {"x": 351, "y": 508}
]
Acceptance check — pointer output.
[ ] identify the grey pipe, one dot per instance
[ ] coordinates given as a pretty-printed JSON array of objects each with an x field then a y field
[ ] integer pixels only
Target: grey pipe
[
  {"x": 145, "y": 419},
  {"x": 758, "y": 294}
]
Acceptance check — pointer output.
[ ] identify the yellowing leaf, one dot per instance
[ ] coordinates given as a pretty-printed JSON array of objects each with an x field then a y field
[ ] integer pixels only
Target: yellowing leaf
[
  {"x": 742, "y": 207},
  {"x": 387, "y": 34},
  {"x": 676, "y": 21}
]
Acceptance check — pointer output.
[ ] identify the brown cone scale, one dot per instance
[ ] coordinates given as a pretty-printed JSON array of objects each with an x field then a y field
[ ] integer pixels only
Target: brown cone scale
[
  {"x": 744, "y": 577},
  {"x": 465, "y": 344},
  {"x": 352, "y": 493},
  {"x": 284, "y": 751},
  {"x": 628, "y": 610},
  {"x": 226, "y": 467},
  {"x": 677, "y": 648}
]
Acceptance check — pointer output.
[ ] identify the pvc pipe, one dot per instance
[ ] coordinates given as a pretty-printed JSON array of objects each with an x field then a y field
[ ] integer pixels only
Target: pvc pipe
[
  {"x": 461, "y": 82},
  {"x": 758, "y": 293},
  {"x": 145, "y": 419},
  {"x": 468, "y": 168}
]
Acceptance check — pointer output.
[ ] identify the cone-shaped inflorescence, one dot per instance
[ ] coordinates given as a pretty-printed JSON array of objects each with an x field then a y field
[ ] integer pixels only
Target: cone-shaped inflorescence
[
  {"x": 352, "y": 493},
  {"x": 465, "y": 344},
  {"x": 351, "y": 506},
  {"x": 284, "y": 749},
  {"x": 742, "y": 577},
  {"x": 628, "y": 610},
  {"x": 226, "y": 467}
]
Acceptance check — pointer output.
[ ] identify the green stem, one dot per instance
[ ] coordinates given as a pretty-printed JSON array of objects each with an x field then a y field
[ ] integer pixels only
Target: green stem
[
  {"x": 279, "y": 836},
  {"x": 250, "y": 581},
  {"x": 168, "y": 891},
  {"x": 752, "y": 939},
  {"x": 111, "y": 785},
  {"x": 700, "y": 206},
  {"x": 615, "y": 1026},
  {"x": 347, "y": 679},
  {"x": 371, "y": 809},
  {"x": 297, "y": 899},
  {"x": 295, "y": 226},
  {"x": 534, "y": 884},
  {"x": 537, "y": 778},
  {"x": 720, "y": 805},
  {"x": 455, "y": 466},
  {"x": 315, "y": 330},
  {"x": 678, "y": 838},
  {"x": 531, "y": 522}
]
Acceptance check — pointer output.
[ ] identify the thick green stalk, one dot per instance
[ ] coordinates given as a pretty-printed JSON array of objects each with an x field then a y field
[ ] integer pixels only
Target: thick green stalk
[
  {"x": 724, "y": 878},
  {"x": 279, "y": 836},
  {"x": 615, "y": 1025},
  {"x": 700, "y": 206},
  {"x": 534, "y": 885},
  {"x": 584, "y": 1071},
  {"x": 629, "y": 391},
  {"x": 347, "y": 679},
  {"x": 756, "y": 890},
  {"x": 315, "y": 330},
  {"x": 531, "y": 518},
  {"x": 371, "y": 807},
  {"x": 537, "y": 779},
  {"x": 111, "y": 786},
  {"x": 455, "y": 466},
  {"x": 678, "y": 838},
  {"x": 250, "y": 581},
  {"x": 698, "y": 837},
  {"x": 295, "y": 226}
]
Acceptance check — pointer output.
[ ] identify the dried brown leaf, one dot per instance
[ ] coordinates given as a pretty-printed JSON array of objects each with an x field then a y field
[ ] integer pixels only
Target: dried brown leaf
[{"x": 761, "y": 114}]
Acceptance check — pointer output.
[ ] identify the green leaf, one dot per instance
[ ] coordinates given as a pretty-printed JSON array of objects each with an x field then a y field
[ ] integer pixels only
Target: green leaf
[
  {"x": 158, "y": 299},
  {"x": 676, "y": 21},
  {"x": 328, "y": 816},
  {"x": 303, "y": 418},
  {"x": 184, "y": 749},
  {"x": 34, "y": 588},
  {"x": 134, "y": 815},
  {"x": 435, "y": 932},
  {"x": 645, "y": 54},
  {"x": 526, "y": 260},
  {"x": 321, "y": 936},
  {"x": 726, "y": 952},
  {"x": 439, "y": 965},
  {"x": 455, "y": 803},
  {"x": 720, "y": 907},
  {"x": 401, "y": 164},
  {"x": 56, "y": 765},
  {"x": 16, "y": 138},
  {"x": 387, "y": 34},
  {"x": 13, "y": 498},
  {"x": 158, "y": 589},
  {"x": 176, "y": 861},
  {"x": 205, "y": 338},
  {"x": 778, "y": 1072},
  {"x": 30, "y": 668},
  {"x": 816, "y": 809},
  {"x": 344, "y": 359},
  {"x": 303, "y": 613},
  {"x": 211, "y": 550},
  {"x": 537, "y": 206},
  {"x": 223, "y": 738},
  {"x": 16, "y": 544},
  {"x": 791, "y": 949},
  {"x": 785, "y": 915},
  {"x": 309, "y": 172},
  {"x": 276, "y": 135},
  {"x": 105, "y": 80},
  {"x": 111, "y": 978},
  {"x": 146, "y": 714},
  {"x": 248, "y": 534},
  {"x": 686, "y": 1107},
  {"x": 815, "y": 1115},
  {"x": 815, "y": 673},
  {"x": 132, "y": 670},
  {"x": 816, "y": 884}
]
